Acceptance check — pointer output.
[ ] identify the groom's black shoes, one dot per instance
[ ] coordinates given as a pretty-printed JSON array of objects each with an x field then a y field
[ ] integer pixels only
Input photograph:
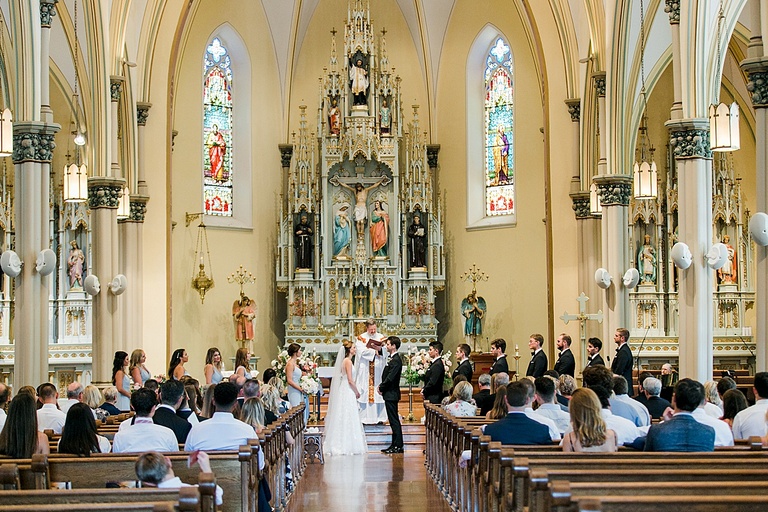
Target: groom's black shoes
[
  {"x": 387, "y": 449},
  {"x": 396, "y": 450}
]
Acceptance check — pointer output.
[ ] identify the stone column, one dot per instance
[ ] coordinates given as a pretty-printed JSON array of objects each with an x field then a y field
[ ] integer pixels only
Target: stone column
[
  {"x": 132, "y": 266},
  {"x": 690, "y": 142},
  {"x": 672, "y": 8},
  {"x": 757, "y": 72},
  {"x": 33, "y": 144},
  {"x": 103, "y": 195},
  {"x": 142, "y": 114},
  {"x": 47, "y": 11}
]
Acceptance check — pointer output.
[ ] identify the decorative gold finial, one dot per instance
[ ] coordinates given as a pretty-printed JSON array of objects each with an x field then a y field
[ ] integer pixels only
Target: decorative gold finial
[{"x": 474, "y": 274}]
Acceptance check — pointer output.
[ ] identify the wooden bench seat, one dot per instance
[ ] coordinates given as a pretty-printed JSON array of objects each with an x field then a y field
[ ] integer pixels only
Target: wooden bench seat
[{"x": 650, "y": 503}]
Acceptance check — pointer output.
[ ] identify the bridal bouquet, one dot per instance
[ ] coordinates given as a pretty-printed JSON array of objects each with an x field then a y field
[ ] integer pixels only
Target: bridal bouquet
[
  {"x": 307, "y": 365},
  {"x": 279, "y": 364}
]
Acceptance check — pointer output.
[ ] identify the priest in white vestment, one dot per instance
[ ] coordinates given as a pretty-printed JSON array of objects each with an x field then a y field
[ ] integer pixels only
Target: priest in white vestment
[{"x": 369, "y": 365}]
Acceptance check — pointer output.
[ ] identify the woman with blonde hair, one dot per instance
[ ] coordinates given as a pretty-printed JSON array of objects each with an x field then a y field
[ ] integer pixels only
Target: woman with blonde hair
[
  {"x": 252, "y": 413},
  {"x": 461, "y": 400},
  {"x": 499, "y": 409},
  {"x": 92, "y": 398},
  {"x": 208, "y": 408},
  {"x": 590, "y": 433},
  {"x": 139, "y": 372},
  {"x": 713, "y": 405}
]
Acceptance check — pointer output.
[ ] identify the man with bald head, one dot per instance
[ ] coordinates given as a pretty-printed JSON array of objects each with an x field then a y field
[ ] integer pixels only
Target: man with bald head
[{"x": 74, "y": 396}]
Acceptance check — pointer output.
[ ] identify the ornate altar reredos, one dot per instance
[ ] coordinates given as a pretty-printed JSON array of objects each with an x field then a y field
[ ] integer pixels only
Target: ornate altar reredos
[{"x": 361, "y": 229}]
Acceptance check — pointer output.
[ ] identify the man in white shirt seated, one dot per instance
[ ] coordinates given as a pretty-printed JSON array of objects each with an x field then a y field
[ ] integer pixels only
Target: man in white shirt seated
[
  {"x": 223, "y": 431},
  {"x": 554, "y": 431},
  {"x": 140, "y": 433},
  {"x": 751, "y": 421},
  {"x": 723, "y": 434},
  {"x": 74, "y": 396},
  {"x": 633, "y": 410},
  {"x": 548, "y": 406},
  {"x": 155, "y": 470},
  {"x": 600, "y": 380},
  {"x": 49, "y": 416}
]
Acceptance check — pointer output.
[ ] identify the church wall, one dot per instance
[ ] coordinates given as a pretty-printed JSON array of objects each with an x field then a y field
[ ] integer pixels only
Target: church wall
[
  {"x": 513, "y": 257},
  {"x": 197, "y": 326}
]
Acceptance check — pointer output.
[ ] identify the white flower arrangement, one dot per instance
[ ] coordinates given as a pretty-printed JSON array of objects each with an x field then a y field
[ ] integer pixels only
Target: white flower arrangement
[{"x": 310, "y": 385}]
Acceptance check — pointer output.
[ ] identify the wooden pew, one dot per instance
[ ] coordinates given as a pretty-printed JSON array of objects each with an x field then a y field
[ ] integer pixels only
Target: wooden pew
[
  {"x": 647, "y": 503},
  {"x": 185, "y": 498},
  {"x": 564, "y": 496}
]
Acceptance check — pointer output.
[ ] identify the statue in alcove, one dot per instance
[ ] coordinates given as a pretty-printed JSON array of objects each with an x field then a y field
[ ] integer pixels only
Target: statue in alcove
[
  {"x": 379, "y": 230},
  {"x": 76, "y": 264},
  {"x": 303, "y": 243},
  {"x": 727, "y": 274},
  {"x": 646, "y": 262},
  {"x": 358, "y": 81},
  {"x": 417, "y": 245}
]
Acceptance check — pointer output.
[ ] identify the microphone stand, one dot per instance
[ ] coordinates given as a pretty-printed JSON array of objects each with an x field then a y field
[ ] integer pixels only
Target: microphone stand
[
  {"x": 640, "y": 349},
  {"x": 752, "y": 356}
]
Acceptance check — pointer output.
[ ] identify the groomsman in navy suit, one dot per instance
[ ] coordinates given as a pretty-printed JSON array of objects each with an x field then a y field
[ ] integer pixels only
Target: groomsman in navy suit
[
  {"x": 390, "y": 392},
  {"x": 538, "y": 364},
  {"x": 435, "y": 375},
  {"x": 565, "y": 364}
]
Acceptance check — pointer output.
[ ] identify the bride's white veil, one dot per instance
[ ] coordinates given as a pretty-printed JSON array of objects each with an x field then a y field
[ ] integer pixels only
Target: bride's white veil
[{"x": 336, "y": 381}]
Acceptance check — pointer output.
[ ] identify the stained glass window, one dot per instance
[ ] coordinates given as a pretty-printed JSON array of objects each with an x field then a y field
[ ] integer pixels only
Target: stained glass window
[
  {"x": 499, "y": 131},
  {"x": 217, "y": 131}
]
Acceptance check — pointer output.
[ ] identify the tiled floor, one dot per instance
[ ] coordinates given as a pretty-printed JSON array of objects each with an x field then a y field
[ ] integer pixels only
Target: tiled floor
[{"x": 372, "y": 482}]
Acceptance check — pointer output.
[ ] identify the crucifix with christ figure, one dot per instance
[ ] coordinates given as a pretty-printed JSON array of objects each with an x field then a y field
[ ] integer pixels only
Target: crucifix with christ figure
[{"x": 582, "y": 317}]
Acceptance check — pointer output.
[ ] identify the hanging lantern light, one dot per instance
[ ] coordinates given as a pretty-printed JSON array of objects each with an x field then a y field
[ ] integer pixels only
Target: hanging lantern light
[
  {"x": 124, "y": 205},
  {"x": 723, "y": 119},
  {"x": 595, "y": 208},
  {"x": 75, "y": 183},
  {"x": 644, "y": 174}
]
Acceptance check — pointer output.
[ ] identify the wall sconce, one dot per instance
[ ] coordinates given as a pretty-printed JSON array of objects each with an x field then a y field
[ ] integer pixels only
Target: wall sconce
[{"x": 201, "y": 282}]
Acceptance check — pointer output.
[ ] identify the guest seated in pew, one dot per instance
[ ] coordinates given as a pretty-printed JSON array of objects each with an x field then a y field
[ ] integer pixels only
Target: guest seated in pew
[
  {"x": 724, "y": 385},
  {"x": 640, "y": 396},
  {"x": 625, "y": 406},
  {"x": 156, "y": 470},
  {"x": 483, "y": 398},
  {"x": 5, "y": 395},
  {"x": 207, "y": 410},
  {"x": 590, "y": 432},
  {"x": 734, "y": 402},
  {"x": 185, "y": 411},
  {"x": 92, "y": 398},
  {"x": 223, "y": 431},
  {"x": 500, "y": 408},
  {"x": 140, "y": 433},
  {"x": 499, "y": 379},
  {"x": 110, "y": 399},
  {"x": 681, "y": 432},
  {"x": 252, "y": 413},
  {"x": 462, "y": 404},
  {"x": 751, "y": 421},
  {"x": 554, "y": 431},
  {"x": 49, "y": 416},
  {"x": 268, "y": 375},
  {"x": 74, "y": 396},
  {"x": 152, "y": 385},
  {"x": 713, "y": 405},
  {"x": 723, "y": 434},
  {"x": 565, "y": 388},
  {"x": 79, "y": 436},
  {"x": 450, "y": 398},
  {"x": 171, "y": 396},
  {"x": 655, "y": 404},
  {"x": 273, "y": 402},
  {"x": 517, "y": 427},
  {"x": 600, "y": 380},
  {"x": 20, "y": 438},
  {"x": 548, "y": 406}
]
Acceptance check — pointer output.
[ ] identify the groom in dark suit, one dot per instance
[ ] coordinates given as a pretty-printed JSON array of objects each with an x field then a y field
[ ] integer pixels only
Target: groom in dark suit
[{"x": 390, "y": 391}]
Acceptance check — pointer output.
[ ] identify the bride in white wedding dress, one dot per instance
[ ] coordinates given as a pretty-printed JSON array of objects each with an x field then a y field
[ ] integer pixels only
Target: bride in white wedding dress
[{"x": 343, "y": 433}]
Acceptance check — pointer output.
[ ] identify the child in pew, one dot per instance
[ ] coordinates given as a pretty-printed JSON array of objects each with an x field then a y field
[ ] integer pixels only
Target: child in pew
[{"x": 154, "y": 469}]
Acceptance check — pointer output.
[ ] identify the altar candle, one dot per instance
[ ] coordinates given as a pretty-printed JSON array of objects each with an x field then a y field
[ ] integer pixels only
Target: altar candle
[{"x": 517, "y": 350}]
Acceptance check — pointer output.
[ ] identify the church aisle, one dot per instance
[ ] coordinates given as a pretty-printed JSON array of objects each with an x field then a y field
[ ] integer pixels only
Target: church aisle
[{"x": 372, "y": 482}]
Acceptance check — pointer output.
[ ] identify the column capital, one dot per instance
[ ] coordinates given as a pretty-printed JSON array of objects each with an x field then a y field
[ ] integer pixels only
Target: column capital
[
  {"x": 33, "y": 141},
  {"x": 614, "y": 189},
  {"x": 116, "y": 86},
  {"x": 286, "y": 151},
  {"x": 574, "y": 109},
  {"x": 581, "y": 205},
  {"x": 138, "y": 208},
  {"x": 104, "y": 192},
  {"x": 757, "y": 80},
  {"x": 672, "y": 8},
  {"x": 47, "y": 11},
  {"x": 689, "y": 138},
  {"x": 142, "y": 112},
  {"x": 432, "y": 151},
  {"x": 599, "y": 79}
]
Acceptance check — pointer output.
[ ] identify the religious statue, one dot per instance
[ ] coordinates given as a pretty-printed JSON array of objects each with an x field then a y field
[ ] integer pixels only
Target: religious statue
[
  {"x": 646, "y": 262},
  {"x": 243, "y": 313},
  {"x": 217, "y": 148},
  {"x": 361, "y": 197},
  {"x": 379, "y": 230},
  {"x": 344, "y": 307},
  {"x": 473, "y": 309},
  {"x": 358, "y": 80},
  {"x": 728, "y": 273},
  {"x": 341, "y": 233},
  {"x": 303, "y": 243},
  {"x": 76, "y": 264},
  {"x": 377, "y": 306},
  {"x": 334, "y": 118},
  {"x": 385, "y": 117},
  {"x": 501, "y": 156},
  {"x": 417, "y": 244}
]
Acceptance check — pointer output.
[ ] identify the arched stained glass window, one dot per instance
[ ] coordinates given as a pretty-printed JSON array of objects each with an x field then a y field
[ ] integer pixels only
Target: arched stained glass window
[
  {"x": 217, "y": 131},
  {"x": 499, "y": 131}
]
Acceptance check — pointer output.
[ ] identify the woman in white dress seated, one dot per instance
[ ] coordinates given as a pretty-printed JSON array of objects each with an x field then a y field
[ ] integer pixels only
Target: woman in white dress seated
[{"x": 343, "y": 434}]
